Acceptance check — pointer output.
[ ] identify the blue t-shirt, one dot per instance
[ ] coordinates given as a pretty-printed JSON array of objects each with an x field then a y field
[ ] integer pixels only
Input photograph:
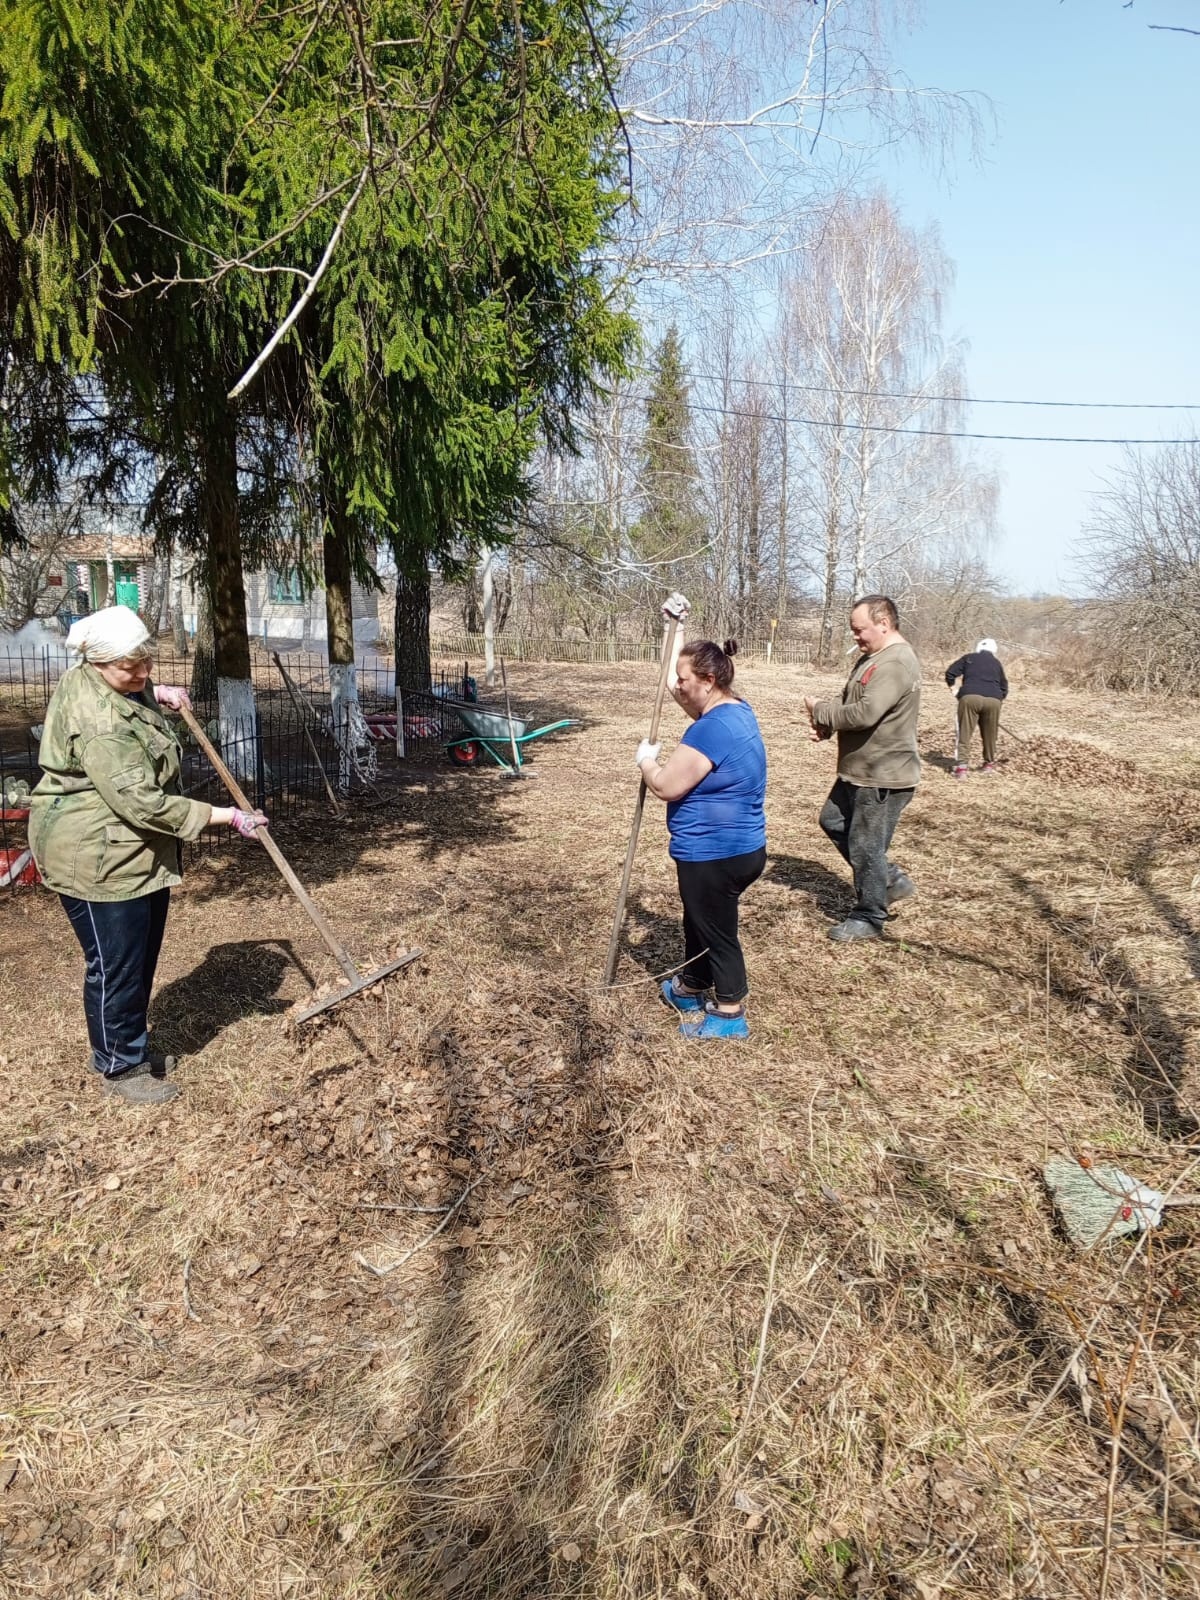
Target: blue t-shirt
[{"x": 723, "y": 815}]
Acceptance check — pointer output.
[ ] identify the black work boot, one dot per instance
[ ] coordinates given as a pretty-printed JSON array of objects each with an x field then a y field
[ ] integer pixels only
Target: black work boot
[
  {"x": 161, "y": 1066},
  {"x": 141, "y": 1085}
]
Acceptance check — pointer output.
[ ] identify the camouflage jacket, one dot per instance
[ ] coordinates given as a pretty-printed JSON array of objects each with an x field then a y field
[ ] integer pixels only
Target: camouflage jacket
[{"x": 107, "y": 816}]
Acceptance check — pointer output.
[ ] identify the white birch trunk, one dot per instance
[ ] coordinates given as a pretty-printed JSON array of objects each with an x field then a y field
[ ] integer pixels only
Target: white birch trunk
[{"x": 343, "y": 698}]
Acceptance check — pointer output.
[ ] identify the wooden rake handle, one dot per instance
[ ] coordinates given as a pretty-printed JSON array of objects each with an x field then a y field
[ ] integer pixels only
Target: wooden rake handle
[
  {"x": 614, "y": 942},
  {"x": 332, "y": 943}
]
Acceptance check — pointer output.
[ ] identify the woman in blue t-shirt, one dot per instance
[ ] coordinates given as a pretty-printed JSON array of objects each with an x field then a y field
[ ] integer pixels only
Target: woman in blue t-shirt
[{"x": 714, "y": 783}]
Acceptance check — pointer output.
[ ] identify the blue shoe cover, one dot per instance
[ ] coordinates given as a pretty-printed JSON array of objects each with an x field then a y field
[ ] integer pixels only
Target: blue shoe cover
[
  {"x": 714, "y": 1026},
  {"x": 680, "y": 1002}
]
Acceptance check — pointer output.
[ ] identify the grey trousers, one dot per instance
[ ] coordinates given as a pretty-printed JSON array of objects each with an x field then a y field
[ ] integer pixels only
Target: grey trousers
[{"x": 860, "y": 822}]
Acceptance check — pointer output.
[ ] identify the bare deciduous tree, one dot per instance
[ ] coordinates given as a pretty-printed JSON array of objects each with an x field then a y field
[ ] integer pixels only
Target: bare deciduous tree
[
  {"x": 888, "y": 487},
  {"x": 27, "y": 567},
  {"x": 1140, "y": 551},
  {"x": 747, "y": 118}
]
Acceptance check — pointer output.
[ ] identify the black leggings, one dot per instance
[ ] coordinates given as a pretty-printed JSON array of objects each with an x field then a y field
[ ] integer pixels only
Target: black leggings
[{"x": 710, "y": 891}]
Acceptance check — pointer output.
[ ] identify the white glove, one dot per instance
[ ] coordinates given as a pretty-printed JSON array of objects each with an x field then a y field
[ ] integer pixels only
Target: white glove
[
  {"x": 676, "y": 607},
  {"x": 646, "y": 752}
]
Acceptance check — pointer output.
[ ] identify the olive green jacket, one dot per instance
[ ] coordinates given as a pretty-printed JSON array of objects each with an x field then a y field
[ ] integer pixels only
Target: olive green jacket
[
  {"x": 876, "y": 720},
  {"x": 107, "y": 816}
]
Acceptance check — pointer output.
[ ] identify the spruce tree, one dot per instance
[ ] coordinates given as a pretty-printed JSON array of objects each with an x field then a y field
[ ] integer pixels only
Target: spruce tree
[{"x": 671, "y": 527}]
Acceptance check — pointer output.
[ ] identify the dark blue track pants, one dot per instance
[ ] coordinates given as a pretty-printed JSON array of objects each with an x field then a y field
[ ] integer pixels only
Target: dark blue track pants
[{"x": 121, "y": 940}]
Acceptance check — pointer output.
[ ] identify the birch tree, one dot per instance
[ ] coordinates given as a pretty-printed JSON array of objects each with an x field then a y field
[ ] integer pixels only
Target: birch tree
[
  {"x": 749, "y": 119},
  {"x": 882, "y": 390}
]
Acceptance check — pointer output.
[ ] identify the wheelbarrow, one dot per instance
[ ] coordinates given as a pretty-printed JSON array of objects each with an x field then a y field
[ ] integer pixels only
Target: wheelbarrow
[{"x": 491, "y": 734}]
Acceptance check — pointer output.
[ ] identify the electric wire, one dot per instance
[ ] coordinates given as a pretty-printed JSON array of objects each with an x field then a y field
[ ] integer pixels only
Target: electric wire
[
  {"x": 927, "y": 433},
  {"x": 956, "y": 399}
]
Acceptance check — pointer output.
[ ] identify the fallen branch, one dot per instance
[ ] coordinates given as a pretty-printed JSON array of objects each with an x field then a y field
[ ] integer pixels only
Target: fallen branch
[
  {"x": 382, "y": 1272},
  {"x": 651, "y": 977}
]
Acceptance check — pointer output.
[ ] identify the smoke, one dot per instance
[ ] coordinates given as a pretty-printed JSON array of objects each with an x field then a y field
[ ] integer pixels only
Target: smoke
[{"x": 33, "y": 636}]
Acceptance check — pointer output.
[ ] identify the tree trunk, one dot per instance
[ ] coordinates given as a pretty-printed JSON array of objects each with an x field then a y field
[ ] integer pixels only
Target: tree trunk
[
  {"x": 413, "y": 669},
  {"x": 781, "y": 575},
  {"x": 339, "y": 620},
  {"x": 489, "y": 616},
  {"x": 204, "y": 662},
  {"x": 829, "y": 594},
  {"x": 751, "y": 622},
  {"x": 223, "y": 559},
  {"x": 178, "y": 630}
]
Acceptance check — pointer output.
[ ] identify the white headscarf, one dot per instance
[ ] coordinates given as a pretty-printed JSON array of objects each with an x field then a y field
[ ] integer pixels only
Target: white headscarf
[
  {"x": 987, "y": 644},
  {"x": 113, "y": 634}
]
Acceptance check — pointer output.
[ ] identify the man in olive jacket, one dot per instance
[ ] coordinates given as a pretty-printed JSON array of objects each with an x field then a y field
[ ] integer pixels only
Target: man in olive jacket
[{"x": 878, "y": 764}]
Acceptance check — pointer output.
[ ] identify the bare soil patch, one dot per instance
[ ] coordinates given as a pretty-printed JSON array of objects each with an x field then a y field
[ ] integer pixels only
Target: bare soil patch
[{"x": 491, "y": 1285}]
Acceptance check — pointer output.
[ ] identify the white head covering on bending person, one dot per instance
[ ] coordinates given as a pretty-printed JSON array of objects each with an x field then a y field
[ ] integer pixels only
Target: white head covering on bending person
[
  {"x": 986, "y": 644},
  {"x": 113, "y": 634}
]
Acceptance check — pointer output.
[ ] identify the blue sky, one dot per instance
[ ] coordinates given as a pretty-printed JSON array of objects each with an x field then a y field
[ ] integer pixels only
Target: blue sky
[{"x": 1076, "y": 242}]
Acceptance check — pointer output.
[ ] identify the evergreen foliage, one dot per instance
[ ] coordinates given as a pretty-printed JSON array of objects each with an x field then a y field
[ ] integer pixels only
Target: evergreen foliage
[
  {"x": 170, "y": 178},
  {"x": 671, "y": 526}
]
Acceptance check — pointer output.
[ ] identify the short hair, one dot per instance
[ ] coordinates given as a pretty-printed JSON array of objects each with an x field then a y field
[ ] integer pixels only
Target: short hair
[
  {"x": 878, "y": 607},
  {"x": 711, "y": 660}
]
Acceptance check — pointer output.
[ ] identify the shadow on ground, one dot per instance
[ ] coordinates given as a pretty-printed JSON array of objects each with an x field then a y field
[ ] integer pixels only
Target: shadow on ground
[
  {"x": 235, "y": 980},
  {"x": 495, "y": 1534}
]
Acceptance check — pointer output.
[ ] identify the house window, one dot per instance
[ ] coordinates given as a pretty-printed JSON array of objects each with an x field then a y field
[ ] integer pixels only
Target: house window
[{"x": 284, "y": 586}]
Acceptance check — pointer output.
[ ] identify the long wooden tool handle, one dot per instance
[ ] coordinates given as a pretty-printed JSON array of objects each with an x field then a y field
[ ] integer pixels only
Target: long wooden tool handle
[
  {"x": 610, "y": 965},
  {"x": 316, "y": 915}
]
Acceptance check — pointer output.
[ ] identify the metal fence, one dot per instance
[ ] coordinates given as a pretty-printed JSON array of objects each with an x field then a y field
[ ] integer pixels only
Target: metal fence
[
  {"x": 600, "y": 652},
  {"x": 285, "y": 760}
]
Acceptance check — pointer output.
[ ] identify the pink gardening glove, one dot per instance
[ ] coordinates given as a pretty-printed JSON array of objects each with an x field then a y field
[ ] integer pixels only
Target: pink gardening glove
[
  {"x": 171, "y": 696},
  {"x": 245, "y": 822}
]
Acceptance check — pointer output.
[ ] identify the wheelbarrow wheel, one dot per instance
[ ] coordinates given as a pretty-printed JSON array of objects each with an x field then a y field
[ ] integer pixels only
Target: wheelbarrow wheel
[{"x": 467, "y": 753}]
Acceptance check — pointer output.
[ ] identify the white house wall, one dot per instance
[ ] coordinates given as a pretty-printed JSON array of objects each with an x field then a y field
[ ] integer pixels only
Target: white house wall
[{"x": 302, "y": 620}]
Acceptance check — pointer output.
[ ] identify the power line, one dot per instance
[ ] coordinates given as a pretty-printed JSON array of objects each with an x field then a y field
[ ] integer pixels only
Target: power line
[
  {"x": 959, "y": 399},
  {"x": 928, "y": 433}
]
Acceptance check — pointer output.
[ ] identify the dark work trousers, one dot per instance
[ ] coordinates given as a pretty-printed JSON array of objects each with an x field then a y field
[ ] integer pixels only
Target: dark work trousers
[
  {"x": 121, "y": 940},
  {"x": 981, "y": 709},
  {"x": 860, "y": 822},
  {"x": 710, "y": 891}
]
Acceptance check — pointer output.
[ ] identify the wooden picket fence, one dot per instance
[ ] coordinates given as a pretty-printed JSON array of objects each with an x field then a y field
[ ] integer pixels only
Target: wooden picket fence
[{"x": 595, "y": 652}]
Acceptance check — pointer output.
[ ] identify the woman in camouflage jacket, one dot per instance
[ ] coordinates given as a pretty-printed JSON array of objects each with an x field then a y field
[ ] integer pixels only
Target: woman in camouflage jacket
[{"x": 106, "y": 823}]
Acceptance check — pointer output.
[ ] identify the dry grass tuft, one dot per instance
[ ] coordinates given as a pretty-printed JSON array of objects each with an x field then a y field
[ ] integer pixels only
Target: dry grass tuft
[{"x": 490, "y": 1285}]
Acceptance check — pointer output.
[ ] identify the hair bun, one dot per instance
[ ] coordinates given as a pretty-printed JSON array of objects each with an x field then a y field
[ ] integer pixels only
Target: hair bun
[{"x": 730, "y": 647}]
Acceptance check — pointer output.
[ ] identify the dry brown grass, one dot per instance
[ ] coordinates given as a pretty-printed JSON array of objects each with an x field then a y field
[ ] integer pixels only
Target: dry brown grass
[{"x": 784, "y": 1319}]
